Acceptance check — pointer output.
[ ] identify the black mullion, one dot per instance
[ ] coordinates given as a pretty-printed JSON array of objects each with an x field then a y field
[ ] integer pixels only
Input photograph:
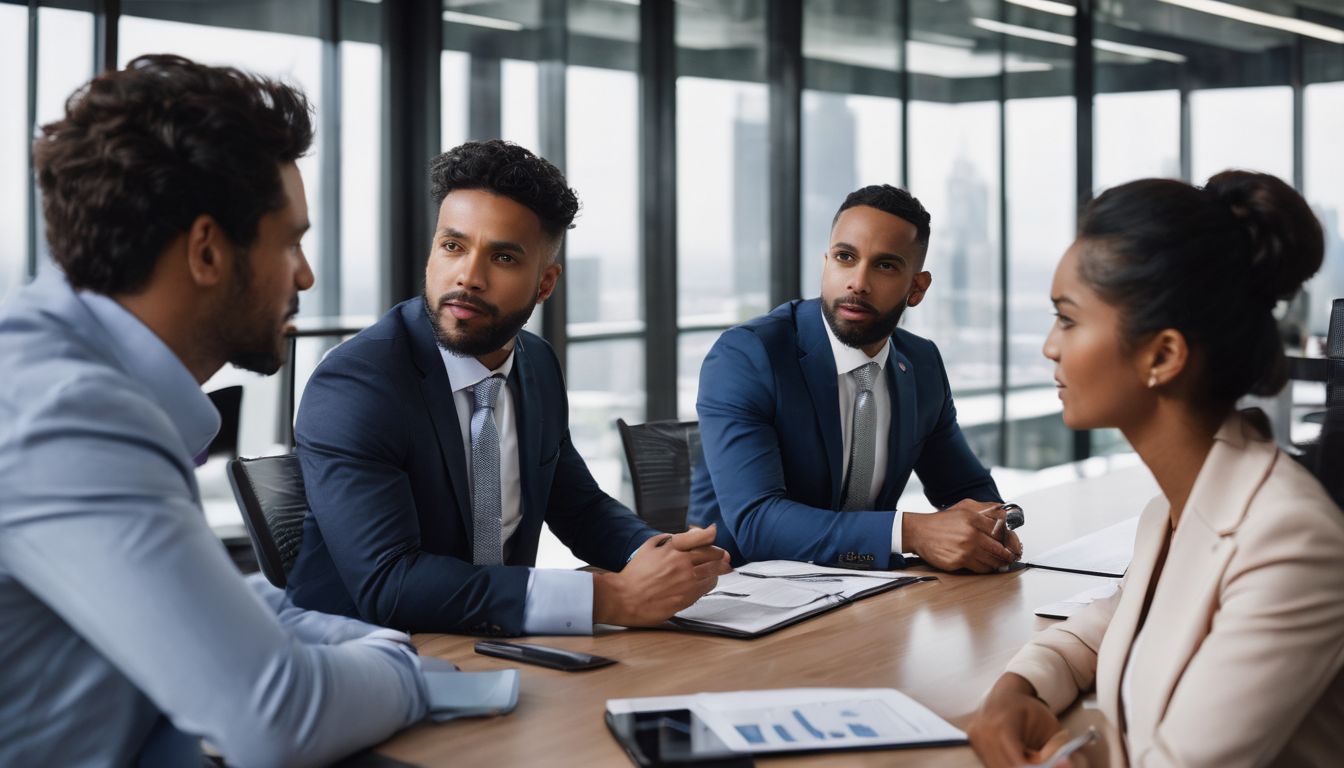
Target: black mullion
[
  {"x": 484, "y": 97},
  {"x": 784, "y": 72},
  {"x": 658, "y": 203},
  {"x": 106, "y": 20},
  {"x": 329, "y": 197},
  {"x": 1084, "y": 88},
  {"x": 30, "y": 198},
  {"x": 1003, "y": 242},
  {"x": 554, "y": 139},
  {"x": 904, "y": 85}
]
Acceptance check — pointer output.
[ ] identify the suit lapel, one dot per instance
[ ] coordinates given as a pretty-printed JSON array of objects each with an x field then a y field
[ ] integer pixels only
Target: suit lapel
[
  {"x": 818, "y": 364},
  {"x": 901, "y": 434},
  {"x": 438, "y": 395}
]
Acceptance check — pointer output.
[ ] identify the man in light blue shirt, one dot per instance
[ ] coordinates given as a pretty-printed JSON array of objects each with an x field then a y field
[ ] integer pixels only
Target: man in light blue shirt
[{"x": 174, "y": 211}]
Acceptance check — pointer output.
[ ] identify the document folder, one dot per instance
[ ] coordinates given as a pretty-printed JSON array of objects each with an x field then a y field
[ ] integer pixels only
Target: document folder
[{"x": 760, "y": 598}]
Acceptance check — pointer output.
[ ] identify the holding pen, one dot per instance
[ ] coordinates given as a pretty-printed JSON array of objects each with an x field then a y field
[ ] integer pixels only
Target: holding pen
[{"x": 1013, "y": 519}]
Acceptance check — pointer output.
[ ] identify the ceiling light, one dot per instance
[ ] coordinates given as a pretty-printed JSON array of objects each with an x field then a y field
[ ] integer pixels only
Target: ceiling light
[
  {"x": 1275, "y": 21},
  {"x": 1048, "y": 6},
  {"x": 482, "y": 21},
  {"x": 1042, "y": 35}
]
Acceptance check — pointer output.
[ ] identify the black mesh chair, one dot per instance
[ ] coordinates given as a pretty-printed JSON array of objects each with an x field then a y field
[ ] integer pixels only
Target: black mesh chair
[
  {"x": 661, "y": 455},
  {"x": 1324, "y": 456},
  {"x": 270, "y": 492}
]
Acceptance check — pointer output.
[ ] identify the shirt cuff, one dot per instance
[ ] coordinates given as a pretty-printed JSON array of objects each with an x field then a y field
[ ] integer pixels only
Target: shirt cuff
[
  {"x": 558, "y": 603},
  {"x": 896, "y": 534}
]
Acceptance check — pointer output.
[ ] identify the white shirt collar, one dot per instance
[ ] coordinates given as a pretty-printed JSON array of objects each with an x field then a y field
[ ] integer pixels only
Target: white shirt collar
[
  {"x": 848, "y": 358},
  {"x": 466, "y": 371}
]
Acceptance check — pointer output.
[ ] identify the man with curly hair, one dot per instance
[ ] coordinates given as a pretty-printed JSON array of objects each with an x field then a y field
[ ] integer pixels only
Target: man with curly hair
[
  {"x": 175, "y": 212},
  {"x": 435, "y": 443}
]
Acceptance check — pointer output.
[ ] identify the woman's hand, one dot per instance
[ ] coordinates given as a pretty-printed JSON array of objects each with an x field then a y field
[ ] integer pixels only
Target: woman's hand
[{"x": 1013, "y": 727}]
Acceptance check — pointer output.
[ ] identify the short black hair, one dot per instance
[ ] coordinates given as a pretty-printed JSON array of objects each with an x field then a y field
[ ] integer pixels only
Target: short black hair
[
  {"x": 142, "y": 152},
  {"x": 1210, "y": 263},
  {"x": 508, "y": 170},
  {"x": 892, "y": 200}
]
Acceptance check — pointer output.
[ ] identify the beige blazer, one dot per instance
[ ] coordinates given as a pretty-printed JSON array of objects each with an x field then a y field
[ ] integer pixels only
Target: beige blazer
[{"x": 1242, "y": 651}]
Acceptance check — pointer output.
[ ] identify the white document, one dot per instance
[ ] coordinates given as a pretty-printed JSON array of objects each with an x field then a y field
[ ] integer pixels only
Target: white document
[
  {"x": 795, "y": 719},
  {"x": 1104, "y": 553},
  {"x": 1071, "y": 605},
  {"x": 761, "y": 595}
]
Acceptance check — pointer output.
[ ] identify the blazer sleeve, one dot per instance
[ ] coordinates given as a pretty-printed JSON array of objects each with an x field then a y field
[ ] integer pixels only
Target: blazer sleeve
[
  {"x": 740, "y": 437},
  {"x": 946, "y": 465},
  {"x": 1274, "y": 645},
  {"x": 1061, "y": 661},
  {"x": 352, "y": 440}
]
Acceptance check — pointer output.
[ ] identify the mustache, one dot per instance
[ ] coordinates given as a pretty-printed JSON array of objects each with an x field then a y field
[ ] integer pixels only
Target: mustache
[
  {"x": 462, "y": 297},
  {"x": 853, "y": 301}
]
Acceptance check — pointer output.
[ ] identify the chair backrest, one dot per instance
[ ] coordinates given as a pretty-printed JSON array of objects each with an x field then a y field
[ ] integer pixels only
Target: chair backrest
[
  {"x": 229, "y": 402},
  {"x": 270, "y": 492},
  {"x": 1324, "y": 456},
  {"x": 661, "y": 455}
]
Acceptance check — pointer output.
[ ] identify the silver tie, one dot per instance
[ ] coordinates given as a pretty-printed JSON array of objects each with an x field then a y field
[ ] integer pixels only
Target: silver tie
[
  {"x": 485, "y": 493},
  {"x": 862, "y": 443}
]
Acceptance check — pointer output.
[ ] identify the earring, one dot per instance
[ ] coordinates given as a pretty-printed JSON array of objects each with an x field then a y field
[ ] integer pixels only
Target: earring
[{"x": 1152, "y": 379}]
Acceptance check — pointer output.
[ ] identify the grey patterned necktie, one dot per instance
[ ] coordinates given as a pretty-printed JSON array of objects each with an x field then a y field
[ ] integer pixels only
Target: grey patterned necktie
[
  {"x": 862, "y": 438},
  {"x": 485, "y": 493}
]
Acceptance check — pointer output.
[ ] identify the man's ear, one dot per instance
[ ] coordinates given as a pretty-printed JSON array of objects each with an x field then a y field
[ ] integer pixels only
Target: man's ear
[
  {"x": 919, "y": 286},
  {"x": 210, "y": 253},
  {"x": 549, "y": 276}
]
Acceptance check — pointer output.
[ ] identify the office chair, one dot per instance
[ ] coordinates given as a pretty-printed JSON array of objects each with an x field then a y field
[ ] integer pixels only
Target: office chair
[
  {"x": 229, "y": 402},
  {"x": 1324, "y": 456},
  {"x": 660, "y": 455},
  {"x": 270, "y": 492}
]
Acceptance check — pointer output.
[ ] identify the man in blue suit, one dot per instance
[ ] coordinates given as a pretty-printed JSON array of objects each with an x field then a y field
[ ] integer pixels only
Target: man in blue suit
[
  {"x": 436, "y": 442},
  {"x": 813, "y": 416}
]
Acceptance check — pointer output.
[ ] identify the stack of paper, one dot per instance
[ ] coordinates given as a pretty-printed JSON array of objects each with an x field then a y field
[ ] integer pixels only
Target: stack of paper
[{"x": 1104, "y": 553}]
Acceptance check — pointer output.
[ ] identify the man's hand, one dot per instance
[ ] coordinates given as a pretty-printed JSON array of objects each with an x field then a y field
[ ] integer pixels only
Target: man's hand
[
  {"x": 1013, "y": 727},
  {"x": 962, "y": 536},
  {"x": 667, "y": 573}
]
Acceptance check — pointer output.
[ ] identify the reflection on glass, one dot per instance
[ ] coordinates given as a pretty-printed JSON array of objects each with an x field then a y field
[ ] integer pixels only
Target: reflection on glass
[
  {"x": 602, "y": 257},
  {"x": 1137, "y": 136},
  {"x": 954, "y": 171},
  {"x": 1247, "y": 128},
  {"x": 605, "y": 382},
  {"x": 361, "y": 170},
  {"x": 849, "y": 141},
  {"x": 1323, "y": 116},
  {"x": 293, "y": 59},
  {"x": 723, "y": 201},
  {"x": 13, "y": 146},
  {"x": 691, "y": 350}
]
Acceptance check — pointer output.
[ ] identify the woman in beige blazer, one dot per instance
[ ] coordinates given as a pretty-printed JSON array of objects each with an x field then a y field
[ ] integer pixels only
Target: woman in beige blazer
[{"x": 1225, "y": 643}]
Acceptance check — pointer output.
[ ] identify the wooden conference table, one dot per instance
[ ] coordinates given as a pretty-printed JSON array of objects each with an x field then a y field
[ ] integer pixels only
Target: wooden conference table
[{"x": 943, "y": 643}]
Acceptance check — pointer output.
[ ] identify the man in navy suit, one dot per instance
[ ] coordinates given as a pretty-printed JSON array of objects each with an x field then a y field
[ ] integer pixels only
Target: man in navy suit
[
  {"x": 813, "y": 416},
  {"x": 436, "y": 442}
]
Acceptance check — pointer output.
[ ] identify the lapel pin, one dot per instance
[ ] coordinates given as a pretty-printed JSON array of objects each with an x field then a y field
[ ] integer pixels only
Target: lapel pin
[{"x": 900, "y": 365}]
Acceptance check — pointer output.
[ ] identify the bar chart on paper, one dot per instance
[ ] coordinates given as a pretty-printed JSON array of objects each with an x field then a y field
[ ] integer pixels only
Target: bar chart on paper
[{"x": 810, "y": 725}]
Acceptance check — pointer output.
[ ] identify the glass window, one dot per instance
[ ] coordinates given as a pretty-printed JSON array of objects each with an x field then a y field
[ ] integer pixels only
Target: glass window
[
  {"x": 723, "y": 192},
  {"x": 14, "y": 141},
  {"x": 518, "y": 119},
  {"x": 691, "y": 350},
  {"x": 1137, "y": 136},
  {"x": 1323, "y": 117},
  {"x": 454, "y": 68},
  {"x": 64, "y": 62},
  {"x": 1246, "y": 128},
  {"x": 605, "y": 382},
  {"x": 363, "y": 267}
]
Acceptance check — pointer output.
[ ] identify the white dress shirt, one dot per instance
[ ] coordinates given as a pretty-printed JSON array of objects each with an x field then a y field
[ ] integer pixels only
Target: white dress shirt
[
  {"x": 559, "y": 602},
  {"x": 848, "y": 358}
]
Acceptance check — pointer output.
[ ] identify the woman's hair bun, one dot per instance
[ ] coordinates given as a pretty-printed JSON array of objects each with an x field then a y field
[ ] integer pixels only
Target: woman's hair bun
[{"x": 1287, "y": 245}]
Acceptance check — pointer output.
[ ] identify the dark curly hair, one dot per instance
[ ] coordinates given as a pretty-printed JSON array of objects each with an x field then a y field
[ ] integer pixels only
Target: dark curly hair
[
  {"x": 892, "y": 200},
  {"x": 142, "y": 152},
  {"x": 1210, "y": 263},
  {"x": 506, "y": 169}
]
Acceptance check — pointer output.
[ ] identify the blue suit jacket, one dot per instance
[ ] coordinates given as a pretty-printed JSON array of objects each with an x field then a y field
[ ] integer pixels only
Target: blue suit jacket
[
  {"x": 769, "y": 409},
  {"x": 389, "y": 537}
]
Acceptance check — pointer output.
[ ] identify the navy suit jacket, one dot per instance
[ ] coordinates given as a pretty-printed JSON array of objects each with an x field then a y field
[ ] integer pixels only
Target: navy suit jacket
[
  {"x": 389, "y": 536},
  {"x": 769, "y": 409}
]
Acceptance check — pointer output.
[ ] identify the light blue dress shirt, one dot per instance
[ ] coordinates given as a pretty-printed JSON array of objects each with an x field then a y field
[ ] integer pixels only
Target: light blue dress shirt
[
  {"x": 123, "y": 624},
  {"x": 558, "y": 602}
]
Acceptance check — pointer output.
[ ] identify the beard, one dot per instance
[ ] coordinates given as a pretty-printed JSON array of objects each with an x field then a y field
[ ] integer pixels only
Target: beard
[
  {"x": 248, "y": 332},
  {"x": 859, "y": 335},
  {"x": 456, "y": 336}
]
